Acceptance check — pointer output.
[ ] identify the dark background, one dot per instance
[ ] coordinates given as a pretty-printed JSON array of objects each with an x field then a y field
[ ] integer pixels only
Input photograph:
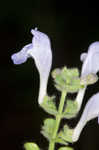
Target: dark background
[{"x": 72, "y": 27}]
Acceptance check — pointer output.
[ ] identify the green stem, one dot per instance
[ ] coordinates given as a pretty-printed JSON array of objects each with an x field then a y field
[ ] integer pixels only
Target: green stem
[{"x": 58, "y": 119}]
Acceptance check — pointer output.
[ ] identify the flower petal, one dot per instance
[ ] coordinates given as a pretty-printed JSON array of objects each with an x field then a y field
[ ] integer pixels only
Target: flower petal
[
  {"x": 91, "y": 63},
  {"x": 91, "y": 111},
  {"x": 22, "y": 56},
  {"x": 40, "y": 51}
]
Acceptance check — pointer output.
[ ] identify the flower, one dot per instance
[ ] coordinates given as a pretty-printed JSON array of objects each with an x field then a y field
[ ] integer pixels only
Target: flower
[
  {"x": 90, "y": 65},
  {"x": 40, "y": 51},
  {"x": 91, "y": 111},
  {"x": 90, "y": 60}
]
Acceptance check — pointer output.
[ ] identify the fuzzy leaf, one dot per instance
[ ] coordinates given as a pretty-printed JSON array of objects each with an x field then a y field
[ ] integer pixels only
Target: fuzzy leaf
[
  {"x": 31, "y": 146},
  {"x": 67, "y": 79},
  {"x": 65, "y": 148},
  {"x": 71, "y": 109},
  {"x": 49, "y": 105},
  {"x": 48, "y": 128},
  {"x": 66, "y": 134},
  {"x": 74, "y": 85}
]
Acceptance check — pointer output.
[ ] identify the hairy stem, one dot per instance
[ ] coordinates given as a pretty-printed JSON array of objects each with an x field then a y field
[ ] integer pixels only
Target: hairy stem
[{"x": 58, "y": 119}]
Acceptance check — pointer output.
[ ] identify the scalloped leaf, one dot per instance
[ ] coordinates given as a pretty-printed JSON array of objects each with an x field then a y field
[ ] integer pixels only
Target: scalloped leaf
[
  {"x": 67, "y": 79},
  {"x": 66, "y": 134},
  {"x": 48, "y": 128},
  {"x": 49, "y": 105},
  {"x": 70, "y": 110}
]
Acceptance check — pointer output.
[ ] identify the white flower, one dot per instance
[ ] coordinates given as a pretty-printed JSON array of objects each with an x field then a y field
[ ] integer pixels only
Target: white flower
[
  {"x": 40, "y": 51},
  {"x": 91, "y": 111},
  {"x": 90, "y": 65}
]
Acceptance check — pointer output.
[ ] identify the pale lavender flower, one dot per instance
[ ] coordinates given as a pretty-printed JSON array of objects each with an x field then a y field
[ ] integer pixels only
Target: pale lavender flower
[
  {"x": 90, "y": 60},
  {"x": 91, "y": 111},
  {"x": 90, "y": 65},
  {"x": 40, "y": 51}
]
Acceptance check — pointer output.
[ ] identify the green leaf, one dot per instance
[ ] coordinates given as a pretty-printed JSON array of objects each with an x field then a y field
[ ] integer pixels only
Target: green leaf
[
  {"x": 74, "y": 85},
  {"x": 65, "y": 148},
  {"x": 31, "y": 146},
  {"x": 70, "y": 110},
  {"x": 48, "y": 128},
  {"x": 60, "y": 141},
  {"x": 66, "y": 134},
  {"x": 67, "y": 79},
  {"x": 49, "y": 105}
]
